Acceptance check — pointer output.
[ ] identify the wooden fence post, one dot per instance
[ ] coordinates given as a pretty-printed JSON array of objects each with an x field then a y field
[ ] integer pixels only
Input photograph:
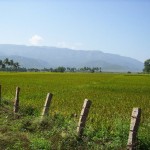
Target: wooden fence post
[
  {"x": 47, "y": 105},
  {"x": 83, "y": 117},
  {"x": 134, "y": 125},
  {"x": 16, "y": 102}
]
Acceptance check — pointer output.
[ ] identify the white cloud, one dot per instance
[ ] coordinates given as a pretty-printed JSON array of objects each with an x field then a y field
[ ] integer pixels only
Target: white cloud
[
  {"x": 69, "y": 45},
  {"x": 36, "y": 40}
]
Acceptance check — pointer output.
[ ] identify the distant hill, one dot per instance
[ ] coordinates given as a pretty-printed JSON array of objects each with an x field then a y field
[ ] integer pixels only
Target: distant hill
[{"x": 40, "y": 57}]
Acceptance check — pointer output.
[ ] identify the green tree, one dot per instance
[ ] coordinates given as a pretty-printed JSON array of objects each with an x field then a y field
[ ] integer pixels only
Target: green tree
[
  {"x": 60, "y": 69},
  {"x": 100, "y": 69},
  {"x": 16, "y": 65},
  {"x": 73, "y": 69},
  {"x": 3, "y": 66},
  {"x": 1, "y": 63},
  {"x": 6, "y": 62},
  {"x": 147, "y": 66},
  {"x": 11, "y": 63}
]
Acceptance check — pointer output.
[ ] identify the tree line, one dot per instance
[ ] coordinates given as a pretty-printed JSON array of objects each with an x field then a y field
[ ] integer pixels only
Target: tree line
[
  {"x": 67, "y": 69},
  {"x": 11, "y": 65},
  {"x": 8, "y": 65}
]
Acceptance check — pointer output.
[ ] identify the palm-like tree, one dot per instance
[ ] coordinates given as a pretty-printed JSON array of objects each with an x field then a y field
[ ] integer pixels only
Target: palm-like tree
[
  {"x": 16, "y": 65},
  {"x": 3, "y": 66},
  {"x": 6, "y": 62},
  {"x": 1, "y": 62},
  {"x": 11, "y": 62}
]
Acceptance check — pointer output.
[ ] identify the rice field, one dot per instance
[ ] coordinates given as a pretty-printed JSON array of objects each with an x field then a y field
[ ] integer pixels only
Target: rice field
[{"x": 112, "y": 95}]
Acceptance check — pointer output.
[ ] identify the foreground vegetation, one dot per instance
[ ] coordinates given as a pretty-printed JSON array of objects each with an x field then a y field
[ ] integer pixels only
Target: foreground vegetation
[{"x": 113, "y": 96}]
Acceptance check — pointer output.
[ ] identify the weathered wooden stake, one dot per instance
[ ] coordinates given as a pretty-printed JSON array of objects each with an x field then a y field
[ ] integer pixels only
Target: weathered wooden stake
[
  {"x": 16, "y": 102},
  {"x": 47, "y": 105},
  {"x": 83, "y": 117},
  {"x": 135, "y": 122}
]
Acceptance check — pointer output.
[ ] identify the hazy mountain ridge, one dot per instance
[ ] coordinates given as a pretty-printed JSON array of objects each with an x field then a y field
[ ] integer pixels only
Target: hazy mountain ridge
[{"x": 40, "y": 57}]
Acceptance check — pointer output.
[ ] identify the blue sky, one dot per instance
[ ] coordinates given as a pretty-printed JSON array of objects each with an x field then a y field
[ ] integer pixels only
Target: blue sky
[{"x": 112, "y": 26}]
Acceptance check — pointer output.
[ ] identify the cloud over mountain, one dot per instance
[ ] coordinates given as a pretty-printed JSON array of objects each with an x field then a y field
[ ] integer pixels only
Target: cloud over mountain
[{"x": 36, "y": 40}]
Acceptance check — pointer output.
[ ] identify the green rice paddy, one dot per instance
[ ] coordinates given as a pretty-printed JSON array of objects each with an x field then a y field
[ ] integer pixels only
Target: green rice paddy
[{"x": 113, "y": 96}]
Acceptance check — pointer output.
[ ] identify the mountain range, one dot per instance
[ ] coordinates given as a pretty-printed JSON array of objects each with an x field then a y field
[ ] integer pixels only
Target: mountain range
[{"x": 43, "y": 56}]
